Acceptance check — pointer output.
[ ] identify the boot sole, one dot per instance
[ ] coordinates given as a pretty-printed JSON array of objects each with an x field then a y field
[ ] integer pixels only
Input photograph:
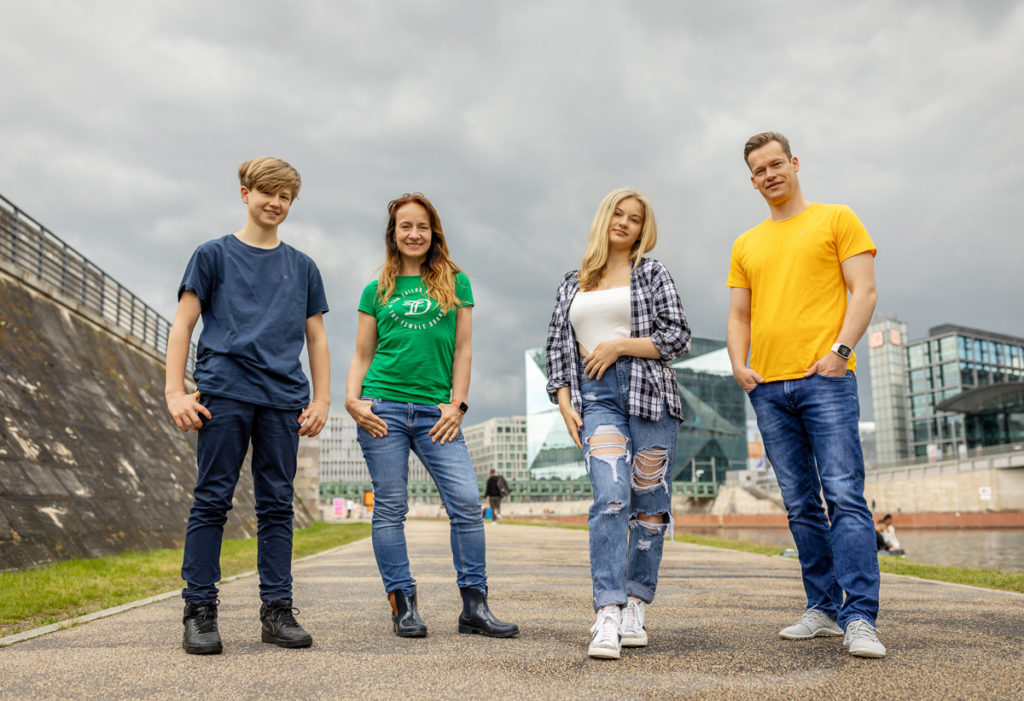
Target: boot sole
[
  {"x": 471, "y": 630},
  {"x": 412, "y": 634},
  {"x": 270, "y": 638},
  {"x": 204, "y": 650}
]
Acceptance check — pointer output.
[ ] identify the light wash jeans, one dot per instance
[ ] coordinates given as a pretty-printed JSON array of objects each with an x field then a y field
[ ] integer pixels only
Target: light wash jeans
[
  {"x": 809, "y": 427},
  {"x": 625, "y": 553},
  {"x": 388, "y": 461}
]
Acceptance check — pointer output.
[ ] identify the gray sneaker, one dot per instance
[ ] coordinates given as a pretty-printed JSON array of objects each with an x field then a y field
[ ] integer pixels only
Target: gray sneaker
[
  {"x": 862, "y": 639},
  {"x": 812, "y": 624}
]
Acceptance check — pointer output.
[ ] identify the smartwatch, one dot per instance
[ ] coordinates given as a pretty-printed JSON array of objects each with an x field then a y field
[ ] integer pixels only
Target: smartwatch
[
  {"x": 463, "y": 407},
  {"x": 842, "y": 351}
]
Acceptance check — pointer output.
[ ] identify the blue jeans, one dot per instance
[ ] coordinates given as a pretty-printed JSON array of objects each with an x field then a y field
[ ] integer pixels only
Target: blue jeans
[
  {"x": 223, "y": 442},
  {"x": 388, "y": 461},
  {"x": 809, "y": 427},
  {"x": 628, "y": 459}
]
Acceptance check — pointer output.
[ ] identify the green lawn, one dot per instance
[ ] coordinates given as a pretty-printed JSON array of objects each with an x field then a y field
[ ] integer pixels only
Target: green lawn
[
  {"x": 990, "y": 579},
  {"x": 72, "y": 588}
]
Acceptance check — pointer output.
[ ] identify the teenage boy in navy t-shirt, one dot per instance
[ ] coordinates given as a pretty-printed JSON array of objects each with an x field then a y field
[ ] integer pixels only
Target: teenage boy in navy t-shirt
[{"x": 260, "y": 300}]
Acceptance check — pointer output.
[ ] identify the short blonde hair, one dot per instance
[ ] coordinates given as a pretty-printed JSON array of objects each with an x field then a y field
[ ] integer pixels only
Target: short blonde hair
[
  {"x": 596, "y": 256},
  {"x": 269, "y": 175}
]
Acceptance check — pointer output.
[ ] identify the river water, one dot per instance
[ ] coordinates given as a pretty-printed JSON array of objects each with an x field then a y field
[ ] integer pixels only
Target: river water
[{"x": 994, "y": 548}]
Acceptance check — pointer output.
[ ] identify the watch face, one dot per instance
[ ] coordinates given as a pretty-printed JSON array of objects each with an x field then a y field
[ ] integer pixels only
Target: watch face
[{"x": 844, "y": 351}]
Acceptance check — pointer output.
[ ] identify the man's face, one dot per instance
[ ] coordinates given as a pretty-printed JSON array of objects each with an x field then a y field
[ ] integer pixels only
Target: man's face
[{"x": 772, "y": 173}]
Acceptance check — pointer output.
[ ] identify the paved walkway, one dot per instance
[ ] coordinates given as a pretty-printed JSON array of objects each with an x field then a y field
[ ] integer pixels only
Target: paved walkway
[{"x": 712, "y": 634}]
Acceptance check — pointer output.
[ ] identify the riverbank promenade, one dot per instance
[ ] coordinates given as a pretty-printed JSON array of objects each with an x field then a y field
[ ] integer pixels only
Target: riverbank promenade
[{"x": 712, "y": 635}]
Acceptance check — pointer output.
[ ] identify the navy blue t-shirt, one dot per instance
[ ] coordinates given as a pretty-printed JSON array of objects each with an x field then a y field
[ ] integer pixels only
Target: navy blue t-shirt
[{"x": 255, "y": 303}]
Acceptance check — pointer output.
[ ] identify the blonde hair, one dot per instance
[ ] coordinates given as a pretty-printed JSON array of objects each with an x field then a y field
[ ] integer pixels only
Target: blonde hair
[
  {"x": 438, "y": 269},
  {"x": 269, "y": 175},
  {"x": 596, "y": 256}
]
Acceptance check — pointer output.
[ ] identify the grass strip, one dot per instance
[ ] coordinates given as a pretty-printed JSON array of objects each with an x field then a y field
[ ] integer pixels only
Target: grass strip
[
  {"x": 63, "y": 590},
  {"x": 989, "y": 579}
]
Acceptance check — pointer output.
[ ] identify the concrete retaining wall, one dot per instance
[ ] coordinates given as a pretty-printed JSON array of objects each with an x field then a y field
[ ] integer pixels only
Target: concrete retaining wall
[{"x": 90, "y": 462}]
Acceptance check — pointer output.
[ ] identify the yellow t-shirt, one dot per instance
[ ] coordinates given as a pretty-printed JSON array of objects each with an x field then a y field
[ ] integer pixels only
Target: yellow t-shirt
[{"x": 798, "y": 295}]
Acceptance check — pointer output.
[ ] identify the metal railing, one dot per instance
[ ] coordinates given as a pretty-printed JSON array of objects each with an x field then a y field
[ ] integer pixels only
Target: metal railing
[
  {"x": 526, "y": 490},
  {"x": 970, "y": 454},
  {"x": 36, "y": 250}
]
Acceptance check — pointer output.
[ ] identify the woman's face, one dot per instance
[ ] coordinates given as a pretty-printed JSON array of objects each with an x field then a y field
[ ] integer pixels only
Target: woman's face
[
  {"x": 626, "y": 224},
  {"x": 412, "y": 231}
]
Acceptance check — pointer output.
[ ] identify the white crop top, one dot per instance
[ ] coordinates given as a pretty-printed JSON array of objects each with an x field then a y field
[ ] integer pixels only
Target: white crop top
[{"x": 600, "y": 315}]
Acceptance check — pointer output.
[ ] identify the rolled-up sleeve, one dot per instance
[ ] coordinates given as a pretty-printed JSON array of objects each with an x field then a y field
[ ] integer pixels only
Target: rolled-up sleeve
[
  {"x": 670, "y": 333},
  {"x": 556, "y": 353}
]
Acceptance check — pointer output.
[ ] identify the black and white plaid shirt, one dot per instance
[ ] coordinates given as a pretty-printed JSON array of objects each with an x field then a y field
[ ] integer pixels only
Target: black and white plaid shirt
[{"x": 656, "y": 313}]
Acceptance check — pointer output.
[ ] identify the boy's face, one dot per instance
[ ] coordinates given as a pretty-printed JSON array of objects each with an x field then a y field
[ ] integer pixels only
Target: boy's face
[{"x": 267, "y": 210}]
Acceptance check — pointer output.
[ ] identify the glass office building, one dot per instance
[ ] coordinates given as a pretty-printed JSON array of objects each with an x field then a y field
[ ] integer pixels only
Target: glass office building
[
  {"x": 712, "y": 439},
  {"x": 887, "y": 356},
  {"x": 950, "y": 361}
]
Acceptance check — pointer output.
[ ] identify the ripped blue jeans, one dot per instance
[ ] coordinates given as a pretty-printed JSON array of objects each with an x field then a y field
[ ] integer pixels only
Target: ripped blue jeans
[{"x": 629, "y": 461}]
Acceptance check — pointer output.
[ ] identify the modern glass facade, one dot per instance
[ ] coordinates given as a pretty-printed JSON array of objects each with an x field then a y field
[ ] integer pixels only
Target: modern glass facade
[
  {"x": 887, "y": 341},
  {"x": 951, "y": 361},
  {"x": 711, "y": 441},
  {"x": 550, "y": 452}
]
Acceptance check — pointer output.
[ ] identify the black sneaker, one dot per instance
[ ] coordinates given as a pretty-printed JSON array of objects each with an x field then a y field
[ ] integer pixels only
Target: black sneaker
[
  {"x": 201, "y": 634},
  {"x": 280, "y": 626}
]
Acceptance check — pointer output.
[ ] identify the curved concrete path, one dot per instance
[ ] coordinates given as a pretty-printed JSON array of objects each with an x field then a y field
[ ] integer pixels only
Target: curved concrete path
[{"x": 712, "y": 632}]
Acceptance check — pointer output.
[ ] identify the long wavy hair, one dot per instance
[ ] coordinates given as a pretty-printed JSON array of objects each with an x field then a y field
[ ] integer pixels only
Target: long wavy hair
[
  {"x": 596, "y": 256},
  {"x": 438, "y": 269}
]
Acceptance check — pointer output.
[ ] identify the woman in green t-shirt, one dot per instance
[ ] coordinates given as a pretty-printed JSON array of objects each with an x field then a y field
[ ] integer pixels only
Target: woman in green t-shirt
[{"x": 407, "y": 388}]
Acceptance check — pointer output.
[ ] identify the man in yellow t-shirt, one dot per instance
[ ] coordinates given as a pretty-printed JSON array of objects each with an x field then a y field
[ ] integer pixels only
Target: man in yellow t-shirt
[{"x": 790, "y": 311}]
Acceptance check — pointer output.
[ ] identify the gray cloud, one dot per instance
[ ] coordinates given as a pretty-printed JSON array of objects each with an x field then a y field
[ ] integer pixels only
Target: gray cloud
[{"x": 122, "y": 125}]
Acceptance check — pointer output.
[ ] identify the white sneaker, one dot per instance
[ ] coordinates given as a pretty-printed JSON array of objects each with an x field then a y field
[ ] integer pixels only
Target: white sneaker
[
  {"x": 812, "y": 624},
  {"x": 605, "y": 641},
  {"x": 862, "y": 639},
  {"x": 631, "y": 628}
]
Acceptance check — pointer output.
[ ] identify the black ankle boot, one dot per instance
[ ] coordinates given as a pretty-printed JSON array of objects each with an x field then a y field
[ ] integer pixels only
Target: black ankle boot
[
  {"x": 280, "y": 627},
  {"x": 201, "y": 634},
  {"x": 477, "y": 618},
  {"x": 405, "y": 616}
]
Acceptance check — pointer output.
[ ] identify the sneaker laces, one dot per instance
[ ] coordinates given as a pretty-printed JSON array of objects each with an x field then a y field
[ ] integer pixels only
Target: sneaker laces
[
  {"x": 812, "y": 614},
  {"x": 632, "y": 616},
  {"x": 605, "y": 628},
  {"x": 861, "y": 629}
]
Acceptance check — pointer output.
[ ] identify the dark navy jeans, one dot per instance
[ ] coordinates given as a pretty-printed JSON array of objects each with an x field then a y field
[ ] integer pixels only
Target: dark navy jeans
[
  {"x": 223, "y": 442},
  {"x": 809, "y": 427}
]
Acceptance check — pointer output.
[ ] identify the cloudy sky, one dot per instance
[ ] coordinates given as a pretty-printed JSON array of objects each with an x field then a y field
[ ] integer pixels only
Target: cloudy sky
[{"x": 122, "y": 125}]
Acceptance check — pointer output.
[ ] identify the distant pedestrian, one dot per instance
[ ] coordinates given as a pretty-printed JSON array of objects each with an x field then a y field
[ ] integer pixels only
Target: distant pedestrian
[
  {"x": 495, "y": 491},
  {"x": 789, "y": 311},
  {"x": 260, "y": 300},
  {"x": 407, "y": 389},
  {"x": 617, "y": 324}
]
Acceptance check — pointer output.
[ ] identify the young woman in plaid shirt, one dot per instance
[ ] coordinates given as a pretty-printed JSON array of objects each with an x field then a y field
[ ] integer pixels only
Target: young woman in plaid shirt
[{"x": 617, "y": 325}]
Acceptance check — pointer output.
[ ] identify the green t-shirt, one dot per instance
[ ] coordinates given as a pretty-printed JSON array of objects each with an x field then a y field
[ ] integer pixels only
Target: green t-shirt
[{"x": 416, "y": 342}]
